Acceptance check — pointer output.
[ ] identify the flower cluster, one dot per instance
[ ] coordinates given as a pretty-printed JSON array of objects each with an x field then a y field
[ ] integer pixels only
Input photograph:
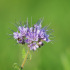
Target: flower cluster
[{"x": 33, "y": 36}]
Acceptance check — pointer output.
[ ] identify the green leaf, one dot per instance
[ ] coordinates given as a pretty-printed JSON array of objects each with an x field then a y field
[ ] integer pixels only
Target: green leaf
[
  {"x": 15, "y": 66},
  {"x": 23, "y": 53}
]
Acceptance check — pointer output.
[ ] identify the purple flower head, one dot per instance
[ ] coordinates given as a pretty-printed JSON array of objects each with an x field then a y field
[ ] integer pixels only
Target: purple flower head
[
  {"x": 43, "y": 36},
  {"x": 33, "y": 46},
  {"x": 33, "y": 36},
  {"x": 17, "y": 35},
  {"x": 22, "y": 30}
]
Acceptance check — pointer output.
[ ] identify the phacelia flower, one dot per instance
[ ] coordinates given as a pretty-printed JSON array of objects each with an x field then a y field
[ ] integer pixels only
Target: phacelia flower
[{"x": 32, "y": 36}]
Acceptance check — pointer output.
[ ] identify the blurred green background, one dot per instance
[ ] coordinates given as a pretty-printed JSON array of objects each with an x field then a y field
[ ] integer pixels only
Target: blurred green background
[{"x": 54, "y": 56}]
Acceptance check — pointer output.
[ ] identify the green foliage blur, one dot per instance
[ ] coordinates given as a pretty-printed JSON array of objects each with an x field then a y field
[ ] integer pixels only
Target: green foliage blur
[{"x": 54, "y": 56}]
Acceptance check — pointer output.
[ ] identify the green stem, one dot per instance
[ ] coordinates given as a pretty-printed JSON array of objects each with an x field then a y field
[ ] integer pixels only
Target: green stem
[{"x": 24, "y": 60}]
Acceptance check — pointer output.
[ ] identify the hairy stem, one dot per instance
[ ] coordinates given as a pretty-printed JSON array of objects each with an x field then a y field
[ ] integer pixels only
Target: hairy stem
[{"x": 24, "y": 60}]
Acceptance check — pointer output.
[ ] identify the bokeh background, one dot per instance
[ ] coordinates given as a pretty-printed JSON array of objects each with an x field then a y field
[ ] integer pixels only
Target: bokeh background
[{"x": 54, "y": 56}]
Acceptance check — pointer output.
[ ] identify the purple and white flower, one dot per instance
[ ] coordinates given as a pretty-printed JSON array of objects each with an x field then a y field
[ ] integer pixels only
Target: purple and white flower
[
  {"x": 17, "y": 35},
  {"x": 33, "y": 36},
  {"x": 22, "y": 30}
]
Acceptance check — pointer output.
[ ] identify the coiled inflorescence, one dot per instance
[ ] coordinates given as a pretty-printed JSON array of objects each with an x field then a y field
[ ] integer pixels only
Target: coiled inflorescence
[{"x": 32, "y": 36}]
